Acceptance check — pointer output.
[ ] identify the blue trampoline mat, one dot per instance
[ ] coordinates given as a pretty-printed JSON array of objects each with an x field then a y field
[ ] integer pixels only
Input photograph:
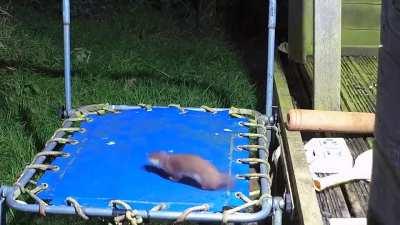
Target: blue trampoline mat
[{"x": 109, "y": 162}]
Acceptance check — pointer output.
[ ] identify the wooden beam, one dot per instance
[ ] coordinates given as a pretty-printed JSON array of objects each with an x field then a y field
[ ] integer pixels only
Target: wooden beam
[
  {"x": 327, "y": 54},
  {"x": 305, "y": 199}
]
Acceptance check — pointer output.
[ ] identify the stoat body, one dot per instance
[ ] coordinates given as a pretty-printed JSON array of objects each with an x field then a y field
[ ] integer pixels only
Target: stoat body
[{"x": 178, "y": 166}]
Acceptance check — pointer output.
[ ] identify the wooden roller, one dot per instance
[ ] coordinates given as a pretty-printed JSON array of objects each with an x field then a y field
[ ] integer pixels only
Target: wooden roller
[{"x": 330, "y": 121}]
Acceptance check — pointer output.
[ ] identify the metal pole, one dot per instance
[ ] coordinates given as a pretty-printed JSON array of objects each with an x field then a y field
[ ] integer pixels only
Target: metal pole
[
  {"x": 67, "y": 56},
  {"x": 271, "y": 59}
]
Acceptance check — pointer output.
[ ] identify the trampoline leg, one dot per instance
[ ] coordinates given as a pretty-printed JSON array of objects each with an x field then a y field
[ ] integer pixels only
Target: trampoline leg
[
  {"x": 2, "y": 212},
  {"x": 2, "y": 206},
  {"x": 277, "y": 211}
]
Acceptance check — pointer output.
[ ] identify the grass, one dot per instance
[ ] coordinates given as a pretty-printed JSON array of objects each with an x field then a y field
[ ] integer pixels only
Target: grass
[{"x": 137, "y": 56}]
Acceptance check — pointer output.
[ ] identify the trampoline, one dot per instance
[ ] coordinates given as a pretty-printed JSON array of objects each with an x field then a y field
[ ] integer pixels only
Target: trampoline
[{"x": 96, "y": 164}]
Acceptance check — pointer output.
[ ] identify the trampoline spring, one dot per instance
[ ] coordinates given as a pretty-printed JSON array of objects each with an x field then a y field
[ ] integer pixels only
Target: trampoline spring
[
  {"x": 36, "y": 198},
  {"x": 277, "y": 133},
  {"x": 248, "y": 204},
  {"x": 130, "y": 214},
  {"x": 32, "y": 182},
  {"x": 77, "y": 207},
  {"x": 159, "y": 207},
  {"x": 252, "y": 121},
  {"x": 251, "y": 176},
  {"x": 115, "y": 203},
  {"x": 252, "y": 161},
  {"x": 241, "y": 113},
  {"x": 253, "y": 125},
  {"x": 68, "y": 130},
  {"x": 133, "y": 218},
  {"x": 63, "y": 141},
  {"x": 51, "y": 153},
  {"x": 71, "y": 130},
  {"x": 185, "y": 214},
  {"x": 43, "y": 167},
  {"x": 274, "y": 128},
  {"x": 145, "y": 106},
  {"x": 252, "y": 148},
  {"x": 96, "y": 109},
  {"x": 182, "y": 109},
  {"x": 112, "y": 109},
  {"x": 104, "y": 111},
  {"x": 208, "y": 109},
  {"x": 247, "y": 124},
  {"x": 39, "y": 188},
  {"x": 255, "y": 193},
  {"x": 226, "y": 213},
  {"x": 236, "y": 115},
  {"x": 42, "y": 204},
  {"x": 253, "y": 135},
  {"x": 77, "y": 119},
  {"x": 247, "y": 147},
  {"x": 243, "y": 197}
]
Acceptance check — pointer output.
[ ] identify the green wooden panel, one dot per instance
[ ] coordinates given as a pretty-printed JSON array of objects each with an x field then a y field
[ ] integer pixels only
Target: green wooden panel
[
  {"x": 300, "y": 28},
  {"x": 358, "y": 17},
  {"x": 376, "y": 2},
  {"x": 360, "y": 38},
  {"x": 361, "y": 16}
]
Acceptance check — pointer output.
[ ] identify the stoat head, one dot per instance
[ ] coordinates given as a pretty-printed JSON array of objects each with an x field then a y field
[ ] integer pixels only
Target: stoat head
[{"x": 157, "y": 159}]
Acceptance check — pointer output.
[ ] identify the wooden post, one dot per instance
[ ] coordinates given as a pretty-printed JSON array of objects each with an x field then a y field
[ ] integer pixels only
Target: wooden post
[{"x": 327, "y": 54}]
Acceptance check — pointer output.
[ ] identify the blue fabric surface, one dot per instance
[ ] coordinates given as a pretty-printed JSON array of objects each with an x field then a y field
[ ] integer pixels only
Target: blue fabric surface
[{"x": 110, "y": 160}]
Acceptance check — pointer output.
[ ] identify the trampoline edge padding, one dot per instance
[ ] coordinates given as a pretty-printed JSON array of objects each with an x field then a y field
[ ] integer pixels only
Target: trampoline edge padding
[{"x": 91, "y": 208}]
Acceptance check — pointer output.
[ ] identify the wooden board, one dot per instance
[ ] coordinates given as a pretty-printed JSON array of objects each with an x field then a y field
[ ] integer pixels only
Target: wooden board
[{"x": 306, "y": 204}]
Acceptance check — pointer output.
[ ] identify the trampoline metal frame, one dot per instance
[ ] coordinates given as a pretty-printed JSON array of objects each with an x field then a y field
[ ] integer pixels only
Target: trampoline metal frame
[{"x": 269, "y": 205}]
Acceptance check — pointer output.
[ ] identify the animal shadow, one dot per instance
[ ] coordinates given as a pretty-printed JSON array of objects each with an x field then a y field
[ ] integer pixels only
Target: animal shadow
[{"x": 186, "y": 180}]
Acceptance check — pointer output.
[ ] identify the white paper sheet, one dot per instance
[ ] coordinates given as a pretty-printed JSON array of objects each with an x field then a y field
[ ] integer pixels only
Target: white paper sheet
[{"x": 328, "y": 155}]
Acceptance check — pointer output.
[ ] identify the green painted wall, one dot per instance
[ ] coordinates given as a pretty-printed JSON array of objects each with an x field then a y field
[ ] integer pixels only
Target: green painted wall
[{"x": 360, "y": 27}]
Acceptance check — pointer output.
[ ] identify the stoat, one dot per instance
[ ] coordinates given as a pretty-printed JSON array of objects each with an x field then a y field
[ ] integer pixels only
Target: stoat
[{"x": 178, "y": 166}]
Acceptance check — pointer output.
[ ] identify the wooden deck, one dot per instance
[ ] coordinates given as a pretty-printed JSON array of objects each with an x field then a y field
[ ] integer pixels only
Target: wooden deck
[{"x": 358, "y": 93}]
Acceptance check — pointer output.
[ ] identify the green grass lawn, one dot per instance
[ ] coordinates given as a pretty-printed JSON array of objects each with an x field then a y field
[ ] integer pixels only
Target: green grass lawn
[{"x": 135, "y": 56}]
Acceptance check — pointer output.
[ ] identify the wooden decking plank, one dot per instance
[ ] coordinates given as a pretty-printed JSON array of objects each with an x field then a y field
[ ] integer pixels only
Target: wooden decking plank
[
  {"x": 361, "y": 146},
  {"x": 357, "y": 191},
  {"x": 358, "y": 93},
  {"x": 366, "y": 84},
  {"x": 356, "y": 89},
  {"x": 335, "y": 202},
  {"x": 363, "y": 71},
  {"x": 358, "y": 81}
]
